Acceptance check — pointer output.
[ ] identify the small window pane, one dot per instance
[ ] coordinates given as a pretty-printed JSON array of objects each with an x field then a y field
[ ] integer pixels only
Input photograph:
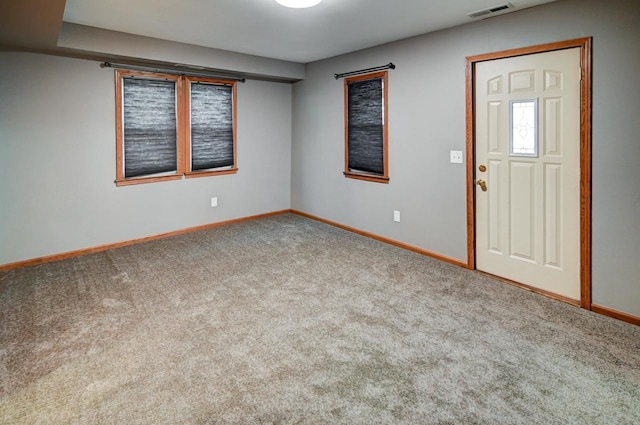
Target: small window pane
[
  {"x": 211, "y": 126},
  {"x": 149, "y": 116},
  {"x": 524, "y": 127}
]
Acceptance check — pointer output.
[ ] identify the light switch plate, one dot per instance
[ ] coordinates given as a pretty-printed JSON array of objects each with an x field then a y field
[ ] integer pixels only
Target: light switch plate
[{"x": 456, "y": 157}]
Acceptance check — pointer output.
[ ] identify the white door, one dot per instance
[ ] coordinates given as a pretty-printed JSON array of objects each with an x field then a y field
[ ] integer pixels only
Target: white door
[{"x": 528, "y": 159}]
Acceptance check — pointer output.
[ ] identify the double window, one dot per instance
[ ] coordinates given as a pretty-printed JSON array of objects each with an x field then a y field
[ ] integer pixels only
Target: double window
[
  {"x": 170, "y": 126},
  {"x": 366, "y": 127}
]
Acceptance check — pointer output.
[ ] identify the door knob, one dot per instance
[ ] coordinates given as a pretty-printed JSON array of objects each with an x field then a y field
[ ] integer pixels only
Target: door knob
[{"x": 482, "y": 184}]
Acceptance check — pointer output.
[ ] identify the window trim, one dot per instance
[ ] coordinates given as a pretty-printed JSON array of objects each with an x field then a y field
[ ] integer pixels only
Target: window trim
[
  {"x": 187, "y": 128},
  {"x": 385, "y": 130},
  {"x": 183, "y": 130}
]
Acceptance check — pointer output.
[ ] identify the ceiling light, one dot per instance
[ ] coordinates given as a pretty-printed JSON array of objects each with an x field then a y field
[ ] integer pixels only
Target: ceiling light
[{"x": 298, "y": 4}]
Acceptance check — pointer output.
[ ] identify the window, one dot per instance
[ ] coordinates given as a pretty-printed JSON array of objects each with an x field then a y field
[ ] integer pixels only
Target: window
[
  {"x": 170, "y": 126},
  {"x": 366, "y": 127},
  {"x": 523, "y": 137}
]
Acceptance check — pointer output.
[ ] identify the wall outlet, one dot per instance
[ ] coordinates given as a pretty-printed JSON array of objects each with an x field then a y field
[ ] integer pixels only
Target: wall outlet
[
  {"x": 456, "y": 157},
  {"x": 396, "y": 216},
  {"x": 214, "y": 202}
]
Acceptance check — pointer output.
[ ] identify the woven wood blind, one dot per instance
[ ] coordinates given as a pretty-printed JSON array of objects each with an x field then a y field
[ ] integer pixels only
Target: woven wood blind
[
  {"x": 211, "y": 126},
  {"x": 149, "y": 118},
  {"x": 365, "y": 126}
]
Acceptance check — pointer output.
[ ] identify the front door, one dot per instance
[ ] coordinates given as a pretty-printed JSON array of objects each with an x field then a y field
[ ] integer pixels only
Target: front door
[{"x": 527, "y": 170}]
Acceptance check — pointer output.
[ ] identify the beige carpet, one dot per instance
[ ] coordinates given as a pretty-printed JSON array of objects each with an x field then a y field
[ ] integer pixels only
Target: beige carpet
[{"x": 288, "y": 321}]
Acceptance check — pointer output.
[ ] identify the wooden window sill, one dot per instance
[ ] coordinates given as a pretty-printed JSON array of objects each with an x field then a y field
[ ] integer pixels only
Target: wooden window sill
[
  {"x": 194, "y": 174},
  {"x": 367, "y": 177},
  {"x": 142, "y": 180}
]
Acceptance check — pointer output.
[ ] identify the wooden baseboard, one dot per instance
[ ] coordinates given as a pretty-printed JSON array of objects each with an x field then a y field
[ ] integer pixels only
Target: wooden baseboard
[
  {"x": 606, "y": 311},
  {"x": 393, "y": 242},
  {"x": 91, "y": 250}
]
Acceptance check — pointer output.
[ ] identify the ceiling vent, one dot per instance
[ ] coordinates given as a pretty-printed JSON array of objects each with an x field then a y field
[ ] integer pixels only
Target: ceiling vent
[{"x": 490, "y": 10}]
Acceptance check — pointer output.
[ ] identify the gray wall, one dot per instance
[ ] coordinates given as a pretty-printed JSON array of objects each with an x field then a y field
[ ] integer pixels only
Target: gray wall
[
  {"x": 57, "y": 162},
  {"x": 91, "y": 40},
  {"x": 427, "y": 120}
]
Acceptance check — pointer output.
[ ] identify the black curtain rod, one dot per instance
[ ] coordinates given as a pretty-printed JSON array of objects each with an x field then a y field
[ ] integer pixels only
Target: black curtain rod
[
  {"x": 364, "y": 71},
  {"x": 204, "y": 73}
]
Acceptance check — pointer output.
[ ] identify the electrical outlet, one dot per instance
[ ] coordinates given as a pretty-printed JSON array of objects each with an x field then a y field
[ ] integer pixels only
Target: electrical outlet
[
  {"x": 396, "y": 216},
  {"x": 456, "y": 157},
  {"x": 214, "y": 202}
]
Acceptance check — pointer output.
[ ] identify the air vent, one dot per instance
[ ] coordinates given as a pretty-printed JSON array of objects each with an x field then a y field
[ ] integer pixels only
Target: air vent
[
  {"x": 490, "y": 10},
  {"x": 499, "y": 8}
]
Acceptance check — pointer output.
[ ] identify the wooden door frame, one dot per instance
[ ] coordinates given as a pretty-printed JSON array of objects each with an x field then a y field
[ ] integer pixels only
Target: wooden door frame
[{"x": 585, "y": 153}]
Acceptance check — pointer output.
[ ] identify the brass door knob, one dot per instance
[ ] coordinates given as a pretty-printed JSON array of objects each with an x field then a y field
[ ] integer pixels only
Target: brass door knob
[{"x": 482, "y": 184}]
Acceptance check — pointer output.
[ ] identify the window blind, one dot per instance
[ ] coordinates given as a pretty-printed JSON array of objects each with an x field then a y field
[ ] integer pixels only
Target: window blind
[
  {"x": 211, "y": 126},
  {"x": 365, "y": 126},
  {"x": 149, "y": 109}
]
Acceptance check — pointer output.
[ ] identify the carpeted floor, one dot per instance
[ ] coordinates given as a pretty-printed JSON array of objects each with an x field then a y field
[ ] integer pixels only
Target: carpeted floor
[{"x": 288, "y": 321}]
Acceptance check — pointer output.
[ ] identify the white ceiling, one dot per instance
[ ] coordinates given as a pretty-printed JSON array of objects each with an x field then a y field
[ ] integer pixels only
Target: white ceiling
[{"x": 264, "y": 28}]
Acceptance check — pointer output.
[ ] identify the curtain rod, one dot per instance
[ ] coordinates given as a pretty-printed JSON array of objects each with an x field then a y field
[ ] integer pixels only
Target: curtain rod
[
  {"x": 364, "y": 71},
  {"x": 204, "y": 73}
]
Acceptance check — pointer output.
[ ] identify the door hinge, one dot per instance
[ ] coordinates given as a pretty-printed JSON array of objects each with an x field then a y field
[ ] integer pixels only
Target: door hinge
[{"x": 580, "y": 73}]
